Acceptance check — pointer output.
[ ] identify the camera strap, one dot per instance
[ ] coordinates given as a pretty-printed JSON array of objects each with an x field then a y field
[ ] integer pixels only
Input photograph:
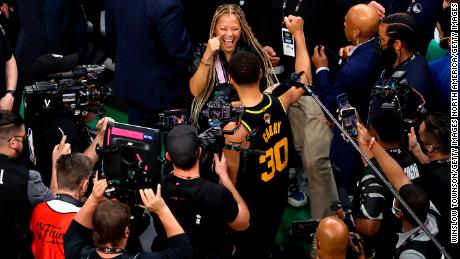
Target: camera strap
[
  {"x": 69, "y": 199},
  {"x": 220, "y": 71}
]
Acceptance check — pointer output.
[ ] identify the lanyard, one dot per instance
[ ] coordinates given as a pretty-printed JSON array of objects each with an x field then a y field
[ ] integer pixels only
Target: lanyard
[{"x": 297, "y": 7}]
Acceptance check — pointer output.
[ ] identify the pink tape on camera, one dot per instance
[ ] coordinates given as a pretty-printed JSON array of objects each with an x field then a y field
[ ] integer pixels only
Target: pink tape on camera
[{"x": 128, "y": 133}]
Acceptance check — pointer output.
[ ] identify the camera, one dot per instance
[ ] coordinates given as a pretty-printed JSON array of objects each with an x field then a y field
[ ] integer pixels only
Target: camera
[
  {"x": 75, "y": 93},
  {"x": 130, "y": 160},
  {"x": 219, "y": 110},
  {"x": 169, "y": 119},
  {"x": 398, "y": 95}
]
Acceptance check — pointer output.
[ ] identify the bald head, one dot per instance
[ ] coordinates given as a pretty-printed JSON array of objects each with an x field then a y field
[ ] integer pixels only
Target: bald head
[
  {"x": 361, "y": 23},
  {"x": 332, "y": 238}
]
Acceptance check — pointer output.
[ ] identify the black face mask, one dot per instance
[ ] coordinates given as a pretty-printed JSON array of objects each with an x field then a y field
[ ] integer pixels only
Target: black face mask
[{"x": 387, "y": 56}]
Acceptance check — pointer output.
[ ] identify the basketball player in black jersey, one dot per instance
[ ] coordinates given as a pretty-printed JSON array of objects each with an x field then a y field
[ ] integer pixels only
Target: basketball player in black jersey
[{"x": 263, "y": 180}]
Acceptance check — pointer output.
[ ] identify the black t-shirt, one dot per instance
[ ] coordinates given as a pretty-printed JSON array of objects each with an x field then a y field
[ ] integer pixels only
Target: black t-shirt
[
  {"x": 435, "y": 180},
  {"x": 202, "y": 208},
  {"x": 5, "y": 55},
  {"x": 78, "y": 245},
  {"x": 15, "y": 208}
]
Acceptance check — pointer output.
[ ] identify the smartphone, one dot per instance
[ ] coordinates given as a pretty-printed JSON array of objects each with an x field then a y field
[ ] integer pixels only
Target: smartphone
[
  {"x": 349, "y": 121},
  {"x": 304, "y": 227},
  {"x": 342, "y": 101}
]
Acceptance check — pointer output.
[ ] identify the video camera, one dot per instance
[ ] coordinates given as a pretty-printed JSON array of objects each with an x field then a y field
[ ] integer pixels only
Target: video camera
[
  {"x": 171, "y": 118},
  {"x": 130, "y": 160},
  {"x": 75, "y": 93},
  {"x": 396, "y": 95}
]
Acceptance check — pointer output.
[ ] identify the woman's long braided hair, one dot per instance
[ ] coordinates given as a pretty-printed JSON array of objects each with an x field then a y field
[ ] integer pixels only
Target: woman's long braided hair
[{"x": 248, "y": 38}]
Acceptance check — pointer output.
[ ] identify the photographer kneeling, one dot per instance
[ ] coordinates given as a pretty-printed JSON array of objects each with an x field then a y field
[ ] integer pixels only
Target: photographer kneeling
[{"x": 109, "y": 221}]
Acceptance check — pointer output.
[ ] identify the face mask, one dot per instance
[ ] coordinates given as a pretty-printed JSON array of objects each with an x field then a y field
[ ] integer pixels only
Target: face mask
[
  {"x": 436, "y": 36},
  {"x": 387, "y": 56},
  {"x": 444, "y": 42}
]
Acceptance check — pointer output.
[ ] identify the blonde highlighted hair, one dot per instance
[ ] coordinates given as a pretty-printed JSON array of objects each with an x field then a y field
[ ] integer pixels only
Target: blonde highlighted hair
[{"x": 247, "y": 38}]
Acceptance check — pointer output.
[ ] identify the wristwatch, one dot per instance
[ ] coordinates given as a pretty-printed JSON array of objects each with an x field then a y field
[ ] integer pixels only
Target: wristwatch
[{"x": 12, "y": 92}]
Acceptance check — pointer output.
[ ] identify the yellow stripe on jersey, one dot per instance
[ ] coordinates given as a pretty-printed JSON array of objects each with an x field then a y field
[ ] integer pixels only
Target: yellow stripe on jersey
[
  {"x": 246, "y": 125},
  {"x": 263, "y": 109},
  {"x": 282, "y": 105}
]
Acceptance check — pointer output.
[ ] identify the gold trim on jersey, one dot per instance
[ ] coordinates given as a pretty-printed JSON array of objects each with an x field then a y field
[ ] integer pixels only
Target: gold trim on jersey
[
  {"x": 246, "y": 125},
  {"x": 263, "y": 109},
  {"x": 282, "y": 105}
]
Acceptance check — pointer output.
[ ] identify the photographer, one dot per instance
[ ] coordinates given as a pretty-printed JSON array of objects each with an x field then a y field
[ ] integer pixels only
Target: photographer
[
  {"x": 263, "y": 180},
  {"x": 51, "y": 219},
  {"x": 398, "y": 40},
  {"x": 372, "y": 202},
  {"x": 433, "y": 151},
  {"x": 22, "y": 189},
  {"x": 109, "y": 221},
  {"x": 412, "y": 243},
  {"x": 202, "y": 207}
]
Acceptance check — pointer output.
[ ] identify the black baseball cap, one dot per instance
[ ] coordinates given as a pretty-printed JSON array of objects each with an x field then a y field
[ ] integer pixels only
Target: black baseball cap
[{"x": 182, "y": 144}]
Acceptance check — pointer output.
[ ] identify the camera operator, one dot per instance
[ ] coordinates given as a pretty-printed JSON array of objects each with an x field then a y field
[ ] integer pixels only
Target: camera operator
[
  {"x": 398, "y": 40},
  {"x": 263, "y": 180},
  {"x": 19, "y": 187},
  {"x": 202, "y": 207},
  {"x": 51, "y": 219},
  {"x": 107, "y": 222},
  {"x": 433, "y": 150},
  {"x": 333, "y": 239},
  {"x": 412, "y": 243}
]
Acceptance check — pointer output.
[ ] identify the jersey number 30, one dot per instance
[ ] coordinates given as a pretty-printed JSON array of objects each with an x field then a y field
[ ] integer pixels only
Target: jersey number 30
[{"x": 274, "y": 158}]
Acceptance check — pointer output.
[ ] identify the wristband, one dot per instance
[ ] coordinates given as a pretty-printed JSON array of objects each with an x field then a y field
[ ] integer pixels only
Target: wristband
[
  {"x": 12, "y": 92},
  {"x": 206, "y": 64},
  {"x": 371, "y": 143}
]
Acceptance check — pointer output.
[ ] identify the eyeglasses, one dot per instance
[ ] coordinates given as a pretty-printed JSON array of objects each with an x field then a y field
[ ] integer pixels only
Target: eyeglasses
[{"x": 19, "y": 138}]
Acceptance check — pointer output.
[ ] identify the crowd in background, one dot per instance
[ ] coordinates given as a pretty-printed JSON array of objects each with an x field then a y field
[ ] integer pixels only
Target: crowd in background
[{"x": 384, "y": 63}]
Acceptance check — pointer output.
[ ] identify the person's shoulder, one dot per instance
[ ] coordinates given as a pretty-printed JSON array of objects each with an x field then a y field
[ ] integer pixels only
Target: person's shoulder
[{"x": 34, "y": 176}]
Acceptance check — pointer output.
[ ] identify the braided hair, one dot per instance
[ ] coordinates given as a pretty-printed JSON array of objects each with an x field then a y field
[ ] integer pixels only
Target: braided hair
[{"x": 247, "y": 38}]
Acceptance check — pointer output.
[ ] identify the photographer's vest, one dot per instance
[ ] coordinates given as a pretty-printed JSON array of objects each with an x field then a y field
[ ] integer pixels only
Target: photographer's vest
[
  {"x": 264, "y": 178},
  {"x": 426, "y": 248},
  {"x": 49, "y": 223}
]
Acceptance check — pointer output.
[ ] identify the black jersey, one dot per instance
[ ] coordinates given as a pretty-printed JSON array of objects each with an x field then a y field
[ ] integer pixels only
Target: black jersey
[
  {"x": 263, "y": 180},
  {"x": 268, "y": 172}
]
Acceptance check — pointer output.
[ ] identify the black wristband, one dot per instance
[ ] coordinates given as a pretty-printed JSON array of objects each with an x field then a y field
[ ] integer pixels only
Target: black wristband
[{"x": 12, "y": 92}]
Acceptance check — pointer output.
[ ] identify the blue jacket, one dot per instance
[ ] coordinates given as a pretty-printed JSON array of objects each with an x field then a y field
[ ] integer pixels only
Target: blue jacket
[
  {"x": 151, "y": 48},
  {"x": 356, "y": 78},
  {"x": 440, "y": 70}
]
